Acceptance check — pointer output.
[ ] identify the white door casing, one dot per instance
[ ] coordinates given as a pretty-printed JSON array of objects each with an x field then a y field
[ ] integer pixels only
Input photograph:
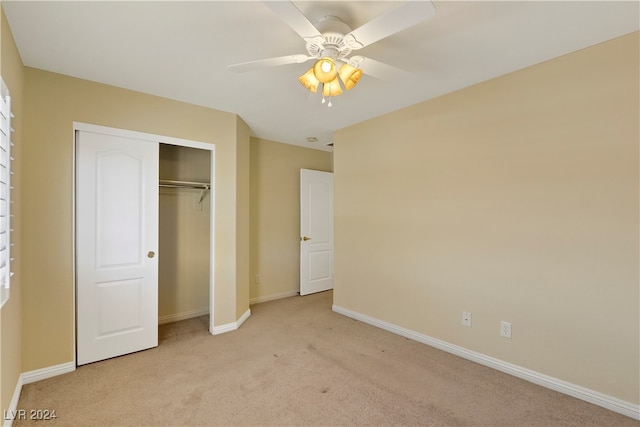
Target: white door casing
[
  {"x": 116, "y": 245},
  {"x": 316, "y": 231}
]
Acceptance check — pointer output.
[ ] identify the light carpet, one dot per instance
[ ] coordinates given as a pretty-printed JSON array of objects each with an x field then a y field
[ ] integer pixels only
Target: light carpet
[{"x": 294, "y": 362}]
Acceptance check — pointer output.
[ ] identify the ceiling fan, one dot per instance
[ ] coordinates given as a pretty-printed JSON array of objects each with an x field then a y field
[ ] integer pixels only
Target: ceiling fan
[{"x": 331, "y": 43}]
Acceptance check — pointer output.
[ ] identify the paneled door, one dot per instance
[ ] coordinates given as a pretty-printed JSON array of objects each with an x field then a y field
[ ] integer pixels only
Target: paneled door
[
  {"x": 316, "y": 231},
  {"x": 116, "y": 245}
]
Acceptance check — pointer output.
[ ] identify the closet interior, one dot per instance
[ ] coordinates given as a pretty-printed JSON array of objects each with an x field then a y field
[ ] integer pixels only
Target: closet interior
[{"x": 184, "y": 233}]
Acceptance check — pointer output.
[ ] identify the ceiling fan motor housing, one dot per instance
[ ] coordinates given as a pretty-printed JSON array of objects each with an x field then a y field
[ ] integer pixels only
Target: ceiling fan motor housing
[{"x": 332, "y": 43}]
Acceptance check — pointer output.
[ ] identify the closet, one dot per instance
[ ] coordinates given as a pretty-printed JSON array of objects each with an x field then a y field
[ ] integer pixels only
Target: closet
[
  {"x": 184, "y": 233},
  {"x": 142, "y": 237}
]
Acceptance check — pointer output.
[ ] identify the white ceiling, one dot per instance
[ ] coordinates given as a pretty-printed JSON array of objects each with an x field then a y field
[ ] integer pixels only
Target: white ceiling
[{"x": 181, "y": 49}]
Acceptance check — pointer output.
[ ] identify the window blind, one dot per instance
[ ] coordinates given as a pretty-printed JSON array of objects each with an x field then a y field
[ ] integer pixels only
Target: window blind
[{"x": 5, "y": 191}]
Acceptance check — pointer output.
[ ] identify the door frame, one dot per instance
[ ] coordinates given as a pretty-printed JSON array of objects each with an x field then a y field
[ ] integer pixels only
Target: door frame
[{"x": 161, "y": 139}]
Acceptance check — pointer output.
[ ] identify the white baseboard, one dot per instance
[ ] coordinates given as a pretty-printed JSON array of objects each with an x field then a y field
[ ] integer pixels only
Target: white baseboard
[
  {"x": 12, "y": 410},
  {"x": 609, "y": 402},
  {"x": 228, "y": 327},
  {"x": 44, "y": 373},
  {"x": 265, "y": 298},
  {"x": 182, "y": 316},
  {"x": 31, "y": 377}
]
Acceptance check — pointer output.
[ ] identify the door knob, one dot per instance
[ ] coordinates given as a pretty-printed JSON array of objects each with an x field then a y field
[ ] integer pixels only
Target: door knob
[
  {"x": 151, "y": 254},
  {"x": 305, "y": 238}
]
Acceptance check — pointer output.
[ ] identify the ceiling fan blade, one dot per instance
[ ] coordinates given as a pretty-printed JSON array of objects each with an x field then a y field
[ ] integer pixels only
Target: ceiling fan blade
[
  {"x": 290, "y": 14},
  {"x": 378, "y": 69},
  {"x": 408, "y": 14},
  {"x": 271, "y": 62}
]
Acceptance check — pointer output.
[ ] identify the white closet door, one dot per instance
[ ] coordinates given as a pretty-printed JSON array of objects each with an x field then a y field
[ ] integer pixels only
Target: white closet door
[{"x": 116, "y": 245}]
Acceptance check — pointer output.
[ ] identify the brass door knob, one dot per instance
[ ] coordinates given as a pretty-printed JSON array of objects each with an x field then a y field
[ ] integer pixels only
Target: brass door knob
[
  {"x": 151, "y": 254},
  {"x": 305, "y": 238}
]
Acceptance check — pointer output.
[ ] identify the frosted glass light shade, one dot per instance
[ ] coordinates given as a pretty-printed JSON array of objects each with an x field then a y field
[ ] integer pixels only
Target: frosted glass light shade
[
  {"x": 332, "y": 88},
  {"x": 325, "y": 70},
  {"x": 309, "y": 81},
  {"x": 349, "y": 75}
]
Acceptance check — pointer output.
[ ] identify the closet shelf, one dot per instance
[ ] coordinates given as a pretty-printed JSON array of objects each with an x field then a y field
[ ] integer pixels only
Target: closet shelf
[{"x": 185, "y": 184}]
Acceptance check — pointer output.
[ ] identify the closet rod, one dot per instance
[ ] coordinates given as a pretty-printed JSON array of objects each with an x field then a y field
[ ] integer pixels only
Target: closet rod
[{"x": 184, "y": 184}]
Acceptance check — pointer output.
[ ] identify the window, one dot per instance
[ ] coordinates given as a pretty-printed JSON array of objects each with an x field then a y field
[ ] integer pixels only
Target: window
[{"x": 5, "y": 192}]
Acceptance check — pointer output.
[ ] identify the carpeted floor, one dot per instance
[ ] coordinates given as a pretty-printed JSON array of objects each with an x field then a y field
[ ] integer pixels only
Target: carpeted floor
[{"x": 296, "y": 363}]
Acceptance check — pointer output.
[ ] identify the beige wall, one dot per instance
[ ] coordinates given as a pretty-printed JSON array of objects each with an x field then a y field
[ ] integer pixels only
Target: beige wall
[
  {"x": 242, "y": 210},
  {"x": 10, "y": 317},
  {"x": 515, "y": 199},
  {"x": 275, "y": 214},
  {"x": 52, "y": 103},
  {"x": 184, "y": 228}
]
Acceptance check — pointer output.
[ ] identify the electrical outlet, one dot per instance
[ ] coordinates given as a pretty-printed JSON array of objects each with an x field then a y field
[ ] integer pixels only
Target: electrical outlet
[
  {"x": 505, "y": 329},
  {"x": 466, "y": 319},
  {"x": 257, "y": 279}
]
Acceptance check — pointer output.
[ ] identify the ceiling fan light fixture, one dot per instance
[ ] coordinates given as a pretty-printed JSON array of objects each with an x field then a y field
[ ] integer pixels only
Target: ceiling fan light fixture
[
  {"x": 332, "y": 88},
  {"x": 325, "y": 70},
  {"x": 309, "y": 81},
  {"x": 349, "y": 75}
]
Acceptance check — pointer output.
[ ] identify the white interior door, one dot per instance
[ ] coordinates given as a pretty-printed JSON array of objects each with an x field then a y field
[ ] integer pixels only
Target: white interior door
[
  {"x": 116, "y": 245},
  {"x": 316, "y": 231}
]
